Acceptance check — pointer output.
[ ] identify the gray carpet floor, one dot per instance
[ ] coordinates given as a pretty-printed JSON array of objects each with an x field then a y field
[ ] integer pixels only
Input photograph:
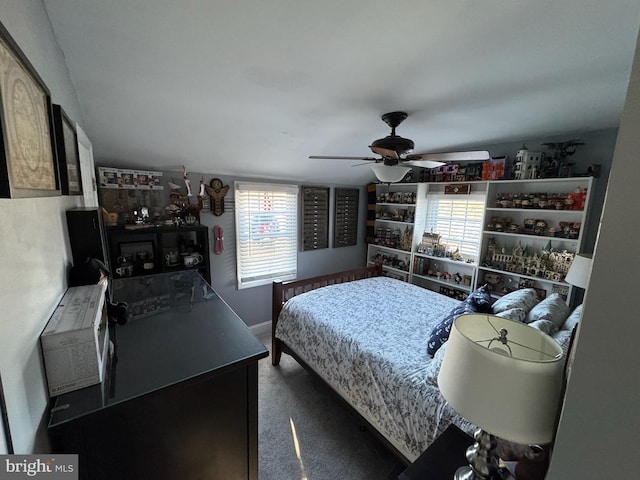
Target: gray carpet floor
[{"x": 307, "y": 433}]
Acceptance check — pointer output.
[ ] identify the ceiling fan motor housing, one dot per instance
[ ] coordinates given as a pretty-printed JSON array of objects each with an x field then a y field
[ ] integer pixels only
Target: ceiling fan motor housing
[{"x": 394, "y": 142}]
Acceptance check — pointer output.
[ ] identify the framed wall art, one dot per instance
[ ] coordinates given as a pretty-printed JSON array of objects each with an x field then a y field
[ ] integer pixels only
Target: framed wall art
[
  {"x": 5, "y": 436},
  {"x": 67, "y": 152},
  {"x": 28, "y": 166},
  {"x": 345, "y": 228},
  {"x": 315, "y": 218}
]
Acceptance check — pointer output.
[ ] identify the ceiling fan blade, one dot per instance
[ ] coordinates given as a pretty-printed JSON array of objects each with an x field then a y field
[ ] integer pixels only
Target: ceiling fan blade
[
  {"x": 423, "y": 163},
  {"x": 451, "y": 156},
  {"x": 328, "y": 157},
  {"x": 385, "y": 152}
]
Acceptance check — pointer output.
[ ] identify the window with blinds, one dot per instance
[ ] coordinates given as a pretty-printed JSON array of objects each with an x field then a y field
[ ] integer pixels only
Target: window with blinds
[
  {"x": 266, "y": 233},
  {"x": 458, "y": 219}
]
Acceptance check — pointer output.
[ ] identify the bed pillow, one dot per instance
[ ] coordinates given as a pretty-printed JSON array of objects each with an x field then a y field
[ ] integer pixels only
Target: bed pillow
[
  {"x": 478, "y": 301},
  {"x": 546, "y": 326},
  {"x": 481, "y": 298},
  {"x": 573, "y": 319},
  {"x": 524, "y": 298},
  {"x": 515, "y": 314},
  {"x": 563, "y": 337},
  {"x": 553, "y": 308}
]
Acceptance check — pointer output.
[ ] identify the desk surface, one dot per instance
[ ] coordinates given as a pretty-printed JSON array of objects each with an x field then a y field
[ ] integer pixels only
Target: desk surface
[{"x": 180, "y": 329}]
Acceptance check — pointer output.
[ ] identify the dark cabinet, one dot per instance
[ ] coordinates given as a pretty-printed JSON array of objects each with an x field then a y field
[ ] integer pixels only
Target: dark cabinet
[
  {"x": 87, "y": 235},
  {"x": 140, "y": 251},
  {"x": 180, "y": 395}
]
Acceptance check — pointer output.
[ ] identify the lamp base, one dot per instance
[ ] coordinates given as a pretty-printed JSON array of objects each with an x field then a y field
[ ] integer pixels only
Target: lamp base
[{"x": 481, "y": 457}]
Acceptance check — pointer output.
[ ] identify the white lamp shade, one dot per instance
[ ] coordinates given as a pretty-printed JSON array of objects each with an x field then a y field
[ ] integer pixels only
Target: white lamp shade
[
  {"x": 389, "y": 174},
  {"x": 579, "y": 271},
  {"x": 513, "y": 397}
]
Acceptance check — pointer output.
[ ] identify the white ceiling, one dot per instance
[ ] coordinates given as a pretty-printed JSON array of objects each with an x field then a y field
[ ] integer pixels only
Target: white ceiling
[{"x": 253, "y": 87}]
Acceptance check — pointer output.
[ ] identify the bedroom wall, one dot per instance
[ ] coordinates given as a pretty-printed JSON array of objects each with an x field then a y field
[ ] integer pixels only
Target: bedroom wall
[
  {"x": 253, "y": 305},
  {"x": 598, "y": 432},
  {"x": 33, "y": 242}
]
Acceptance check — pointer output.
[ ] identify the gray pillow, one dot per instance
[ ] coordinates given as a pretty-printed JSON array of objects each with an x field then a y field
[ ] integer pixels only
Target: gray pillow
[
  {"x": 573, "y": 319},
  {"x": 563, "y": 337},
  {"x": 515, "y": 314},
  {"x": 553, "y": 308},
  {"x": 524, "y": 298},
  {"x": 545, "y": 326}
]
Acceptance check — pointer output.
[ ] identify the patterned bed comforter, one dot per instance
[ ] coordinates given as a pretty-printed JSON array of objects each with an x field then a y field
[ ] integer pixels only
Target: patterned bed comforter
[{"x": 368, "y": 340}]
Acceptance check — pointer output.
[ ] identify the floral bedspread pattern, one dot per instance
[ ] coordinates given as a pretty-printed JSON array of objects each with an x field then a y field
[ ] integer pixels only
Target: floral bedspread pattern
[{"x": 368, "y": 339}]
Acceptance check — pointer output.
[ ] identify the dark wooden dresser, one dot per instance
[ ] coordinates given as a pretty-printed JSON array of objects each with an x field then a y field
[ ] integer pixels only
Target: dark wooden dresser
[{"x": 179, "y": 399}]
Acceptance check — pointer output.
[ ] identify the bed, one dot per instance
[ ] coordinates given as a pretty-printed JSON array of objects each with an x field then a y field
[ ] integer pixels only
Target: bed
[{"x": 366, "y": 336}]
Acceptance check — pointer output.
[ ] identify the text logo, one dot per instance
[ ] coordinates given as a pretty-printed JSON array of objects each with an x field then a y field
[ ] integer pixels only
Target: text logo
[{"x": 51, "y": 467}]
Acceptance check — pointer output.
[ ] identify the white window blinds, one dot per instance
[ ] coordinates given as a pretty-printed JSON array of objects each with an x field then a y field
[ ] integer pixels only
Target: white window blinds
[
  {"x": 458, "y": 219},
  {"x": 266, "y": 233}
]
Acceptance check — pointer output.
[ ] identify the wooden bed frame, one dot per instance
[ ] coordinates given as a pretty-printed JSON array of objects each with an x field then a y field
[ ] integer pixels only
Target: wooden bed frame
[{"x": 283, "y": 291}]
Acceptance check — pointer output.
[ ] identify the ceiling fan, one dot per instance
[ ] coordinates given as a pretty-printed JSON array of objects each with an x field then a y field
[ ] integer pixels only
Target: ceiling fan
[{"x": 395, "y": 153}]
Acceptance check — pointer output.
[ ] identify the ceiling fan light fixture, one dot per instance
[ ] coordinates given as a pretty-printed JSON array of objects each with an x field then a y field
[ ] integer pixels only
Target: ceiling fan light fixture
[{"x": 389, "y": 174}]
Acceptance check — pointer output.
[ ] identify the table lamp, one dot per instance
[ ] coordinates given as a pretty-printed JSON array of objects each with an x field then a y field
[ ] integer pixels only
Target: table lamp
[
  {"x": 579, "y": 271},
  {"x": 505, "y": 377}
]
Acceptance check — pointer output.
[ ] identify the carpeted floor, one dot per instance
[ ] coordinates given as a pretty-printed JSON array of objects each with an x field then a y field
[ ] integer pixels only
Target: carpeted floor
[{"x": 306, "y": 433}]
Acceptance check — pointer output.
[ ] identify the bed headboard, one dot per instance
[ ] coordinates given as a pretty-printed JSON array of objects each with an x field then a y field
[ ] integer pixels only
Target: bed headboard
[{"x": 283, "y": 291}]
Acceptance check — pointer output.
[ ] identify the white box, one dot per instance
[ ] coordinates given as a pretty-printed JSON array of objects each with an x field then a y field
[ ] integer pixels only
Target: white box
[{"x": 75, "y": 342}]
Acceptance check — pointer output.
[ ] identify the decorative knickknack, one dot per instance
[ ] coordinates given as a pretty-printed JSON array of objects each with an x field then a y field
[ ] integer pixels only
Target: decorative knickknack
[{"x": 217, "y": 192}]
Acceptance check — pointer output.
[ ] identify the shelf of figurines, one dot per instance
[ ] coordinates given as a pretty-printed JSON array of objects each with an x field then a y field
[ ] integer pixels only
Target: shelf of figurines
[
  {"x": 407, "y": 199},
  {"x": 448, "y": 258},
  {"x": 456, "y": 291},
  {"x": 500, "y": 283},
  {"x": 542, "y": 201},
  {"x": 535, "y": 227},
  {"x": 394, "y": 238},
  {"x": 444, "y": 271},
  {"x": 548, "y": 265},
  {"x": 457, "y": 281},
  {"x": 393, "y": 272},
  {"x": 391, "y": 259},
  {"x": 396, "y": 214}
]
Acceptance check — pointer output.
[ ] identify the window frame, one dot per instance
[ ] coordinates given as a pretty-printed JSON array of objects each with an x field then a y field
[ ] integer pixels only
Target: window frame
[
  {"x": 267, "y": 240},
  {"x": 471, "y": 228}
]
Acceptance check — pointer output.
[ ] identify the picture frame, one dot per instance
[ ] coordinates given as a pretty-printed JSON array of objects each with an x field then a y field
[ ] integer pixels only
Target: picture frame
[
  {"x": 67, "y": 152},
  {"x": 345, "y": 222},
  {"x": 28, "y": 162},
  {"x": 315, "y": 218},
  {"x": 6, "y": 446}
]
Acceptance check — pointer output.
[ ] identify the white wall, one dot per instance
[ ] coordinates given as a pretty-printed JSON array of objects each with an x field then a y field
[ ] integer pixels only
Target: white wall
[
  {"x": 599, "y": 432},
  {"x": 33, "y": 242}
]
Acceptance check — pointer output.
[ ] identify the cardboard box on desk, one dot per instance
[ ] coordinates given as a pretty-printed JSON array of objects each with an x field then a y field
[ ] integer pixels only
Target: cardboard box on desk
[{"x": 75, "y": 342}]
